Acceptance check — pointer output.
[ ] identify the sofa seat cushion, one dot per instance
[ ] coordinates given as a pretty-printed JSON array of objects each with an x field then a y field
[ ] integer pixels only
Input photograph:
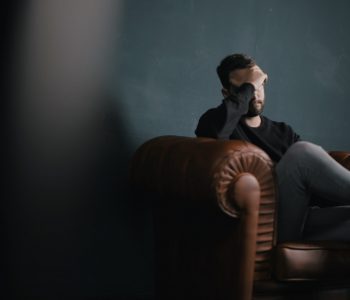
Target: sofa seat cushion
[{"x": 312, "y": 261}]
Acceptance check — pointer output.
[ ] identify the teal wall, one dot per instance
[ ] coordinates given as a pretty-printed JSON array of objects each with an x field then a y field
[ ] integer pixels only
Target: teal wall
[{"x": 169, "y": 51}]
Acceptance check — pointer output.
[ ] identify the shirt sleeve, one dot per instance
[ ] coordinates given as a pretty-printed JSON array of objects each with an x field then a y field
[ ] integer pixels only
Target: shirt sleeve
[{"x": 221, "y": 121}]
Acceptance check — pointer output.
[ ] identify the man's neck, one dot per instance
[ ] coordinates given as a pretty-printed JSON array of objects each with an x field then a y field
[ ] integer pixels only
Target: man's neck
[{"x": 253, "y": 121}]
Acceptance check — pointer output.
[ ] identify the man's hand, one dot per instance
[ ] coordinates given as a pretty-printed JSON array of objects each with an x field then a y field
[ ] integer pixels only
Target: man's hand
[{"x": 253, "y": 75}]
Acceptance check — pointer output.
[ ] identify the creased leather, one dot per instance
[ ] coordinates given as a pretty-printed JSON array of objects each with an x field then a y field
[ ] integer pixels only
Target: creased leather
[
  {"x": 312, "y": 261},
  {"x": 200, "y": 174}
]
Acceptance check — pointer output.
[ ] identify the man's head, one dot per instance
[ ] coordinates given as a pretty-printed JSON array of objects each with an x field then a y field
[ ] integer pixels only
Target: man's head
[
  {"x": 231, "y": 63},
  {"x": 236, "y": 69}
]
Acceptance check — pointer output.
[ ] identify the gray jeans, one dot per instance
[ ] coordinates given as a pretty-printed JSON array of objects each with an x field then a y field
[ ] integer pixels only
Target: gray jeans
[{"x": 308, "y": 177}]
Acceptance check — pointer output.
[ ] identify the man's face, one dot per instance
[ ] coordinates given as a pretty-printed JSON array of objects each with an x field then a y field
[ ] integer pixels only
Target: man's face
[{"x": 256, "y": 105}]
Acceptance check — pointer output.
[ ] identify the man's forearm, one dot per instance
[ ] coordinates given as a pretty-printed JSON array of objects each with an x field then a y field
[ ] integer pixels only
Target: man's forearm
[{"x": 236, "y": 106}]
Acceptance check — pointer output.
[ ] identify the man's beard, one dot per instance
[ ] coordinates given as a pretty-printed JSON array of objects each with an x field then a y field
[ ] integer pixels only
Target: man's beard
[{"x": 256, "y": 107}]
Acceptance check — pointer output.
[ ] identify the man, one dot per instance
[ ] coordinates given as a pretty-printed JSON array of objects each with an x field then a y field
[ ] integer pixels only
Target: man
[{"x": 303, "y": 169}]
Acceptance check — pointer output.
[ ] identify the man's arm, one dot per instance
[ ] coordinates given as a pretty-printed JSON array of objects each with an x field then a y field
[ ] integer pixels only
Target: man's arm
[{"x": 220, "y": 122}]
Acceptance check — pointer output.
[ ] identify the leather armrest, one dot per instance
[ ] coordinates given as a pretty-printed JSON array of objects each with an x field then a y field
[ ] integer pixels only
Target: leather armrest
[
  {"x": 235, "y": 177},
  {"x": 342, "y": 157},
  {"x": 200, "y": 170}
]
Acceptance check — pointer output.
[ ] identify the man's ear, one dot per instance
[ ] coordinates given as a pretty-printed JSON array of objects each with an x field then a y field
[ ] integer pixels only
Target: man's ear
[{"x": 225, "y": 92}]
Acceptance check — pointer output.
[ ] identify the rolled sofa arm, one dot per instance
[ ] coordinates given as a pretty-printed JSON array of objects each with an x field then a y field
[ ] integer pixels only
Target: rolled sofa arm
[
  {"x": 234, "y": 177},
  {"x": 199, "y": 169}
]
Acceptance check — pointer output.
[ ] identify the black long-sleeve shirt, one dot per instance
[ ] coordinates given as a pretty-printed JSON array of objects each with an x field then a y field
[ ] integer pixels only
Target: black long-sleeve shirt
[{"x": 226, "y": 122}]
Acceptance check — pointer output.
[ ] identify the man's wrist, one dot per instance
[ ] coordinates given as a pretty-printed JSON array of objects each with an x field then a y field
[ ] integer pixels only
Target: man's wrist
[{"x": 245, "y": 90}]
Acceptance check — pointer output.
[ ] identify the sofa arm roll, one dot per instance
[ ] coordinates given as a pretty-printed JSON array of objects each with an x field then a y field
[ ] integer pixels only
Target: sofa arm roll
[
  {"x": 188, "y": 177},
  {"x": 202, "y": 171}
]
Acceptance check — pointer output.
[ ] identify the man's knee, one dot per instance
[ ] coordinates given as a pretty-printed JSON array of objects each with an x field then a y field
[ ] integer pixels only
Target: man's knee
[
  {"x": 304, "y": 146},
  {"x": 302, "y": 149},
  {"x": 298, "y": 157}
]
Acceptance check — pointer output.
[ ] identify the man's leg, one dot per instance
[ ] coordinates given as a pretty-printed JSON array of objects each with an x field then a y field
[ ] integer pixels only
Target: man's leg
[
  {"x": 307, "y": 169},
  {"x": 328, "y": 223}
]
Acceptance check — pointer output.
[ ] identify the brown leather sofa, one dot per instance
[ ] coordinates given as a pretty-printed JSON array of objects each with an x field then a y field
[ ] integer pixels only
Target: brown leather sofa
[{"x": 214, "y": 209}]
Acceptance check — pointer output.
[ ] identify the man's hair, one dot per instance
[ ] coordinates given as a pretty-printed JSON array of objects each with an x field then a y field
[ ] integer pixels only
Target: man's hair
[{"x": 231, "y": 63}]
